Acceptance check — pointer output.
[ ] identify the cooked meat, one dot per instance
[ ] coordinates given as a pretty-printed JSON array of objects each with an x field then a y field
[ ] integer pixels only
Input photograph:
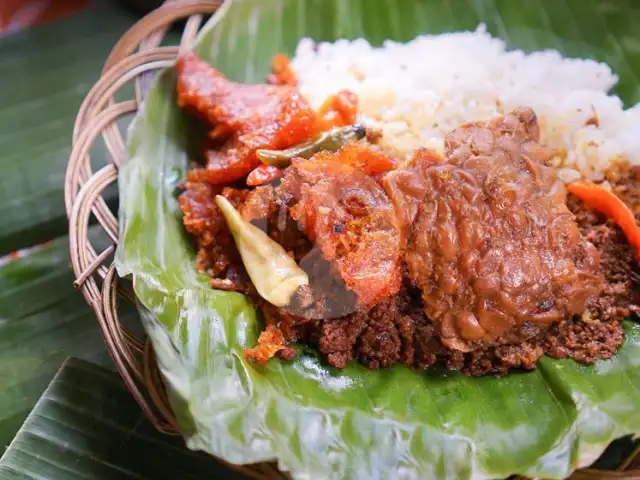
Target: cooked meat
[
  {"x": 202, "y": 218},
  {"x": 584, "y": 342},
  {"x": 390, "y": 332},
  {"x": 599, "y": 335},
  {"x": 259, "y": 205},
  {"x": 349, "y": 216},
  {"x": 248, "y": 117},
  {"x": 473, "y": 262},
  {"x": 490, "y": 241},
  {"x": 621, "y": 294},
  {"x": 625, "y": 183},
  {"x": 361, "y": 156}
]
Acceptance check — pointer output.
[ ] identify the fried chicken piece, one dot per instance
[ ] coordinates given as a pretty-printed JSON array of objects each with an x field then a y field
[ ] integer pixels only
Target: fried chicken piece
[
  {"x": 347, "y": 213},
  {"x": 249, "y": 117},
  {"x": 490, "y": 241}
]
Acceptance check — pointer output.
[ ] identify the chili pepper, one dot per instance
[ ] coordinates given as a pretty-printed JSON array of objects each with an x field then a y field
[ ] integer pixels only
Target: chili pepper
[
  {"x": 273, "y": 272},
  {"x": 263, "y": 174},
  {"x": 609, "y": 204},
  {"x": 331, "y": 140}
]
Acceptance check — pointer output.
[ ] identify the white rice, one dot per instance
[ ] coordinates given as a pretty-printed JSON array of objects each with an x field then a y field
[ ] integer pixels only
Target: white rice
[{"x": 417, "y": 92}]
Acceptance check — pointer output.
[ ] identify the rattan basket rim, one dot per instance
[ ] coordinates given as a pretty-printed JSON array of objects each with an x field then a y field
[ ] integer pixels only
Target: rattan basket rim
[{"x": 135, "y": 57}]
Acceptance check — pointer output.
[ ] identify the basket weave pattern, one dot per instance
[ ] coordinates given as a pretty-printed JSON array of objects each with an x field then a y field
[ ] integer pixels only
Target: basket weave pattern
[{"x": 134, "y": 59}]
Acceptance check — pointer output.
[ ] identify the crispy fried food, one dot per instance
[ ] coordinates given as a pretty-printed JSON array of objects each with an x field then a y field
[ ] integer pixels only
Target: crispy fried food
[
  {"x": 491, "y": 243},
  {"x": 262, "y": 175},
  {"x": 203, "y": 219},
  {"x": 251, "y": 116},
  {"x": 367, "y": 158},
  {"x": 270, "y": 342},
  {"x": 347, "y": 213}
]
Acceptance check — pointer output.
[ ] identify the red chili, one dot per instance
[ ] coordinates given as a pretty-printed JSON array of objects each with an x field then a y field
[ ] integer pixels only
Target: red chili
[
  {"x": 263, "y": 174},
  {"x": 612, "y": 206}
]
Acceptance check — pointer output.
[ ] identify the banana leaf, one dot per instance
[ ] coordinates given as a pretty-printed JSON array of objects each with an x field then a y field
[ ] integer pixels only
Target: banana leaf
[
  {"x": 43, "y": 320},
  {"x": 45, "y": 73},
  {"x": 86, "y": 426},
  {"x": 318, "y": 422}
]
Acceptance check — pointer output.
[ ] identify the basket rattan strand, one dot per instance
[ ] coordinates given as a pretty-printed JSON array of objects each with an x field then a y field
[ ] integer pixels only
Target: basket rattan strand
[{"x": 134, "y": 59}]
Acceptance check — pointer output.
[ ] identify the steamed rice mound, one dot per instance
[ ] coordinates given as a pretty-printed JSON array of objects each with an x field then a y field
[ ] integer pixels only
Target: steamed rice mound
[{"x": 432, "y": 84}]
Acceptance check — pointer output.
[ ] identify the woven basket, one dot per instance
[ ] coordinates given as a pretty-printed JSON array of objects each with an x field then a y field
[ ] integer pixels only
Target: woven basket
[{"x": 134, "y": 59}]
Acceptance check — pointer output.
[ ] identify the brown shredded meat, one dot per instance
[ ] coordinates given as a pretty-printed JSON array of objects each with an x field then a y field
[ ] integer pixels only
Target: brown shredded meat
[{"x": 202, "y": 219}]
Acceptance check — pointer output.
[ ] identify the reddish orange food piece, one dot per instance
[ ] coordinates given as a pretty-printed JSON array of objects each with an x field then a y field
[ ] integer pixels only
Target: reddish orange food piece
[
  {"x": 609, "y": 204},
  {"x": 367, "y": 158},
  {"x": 281, "y": 71},
  {"x": 270, "y": 342},
  {"x": 254, "y": 116},
  {"x": 348, "y": 214},
  {"x": 338, "y": 110},
  {"x": 263, "y": 174}
]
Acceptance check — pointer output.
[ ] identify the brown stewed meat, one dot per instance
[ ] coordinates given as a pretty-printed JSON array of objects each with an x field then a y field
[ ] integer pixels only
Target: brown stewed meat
[{"x": 490, "y": 241}]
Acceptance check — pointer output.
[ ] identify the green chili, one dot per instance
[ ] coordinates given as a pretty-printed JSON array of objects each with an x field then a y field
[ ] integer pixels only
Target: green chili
[
  {"x": 273, "y": 272},
  {"x": 330, "y": 140}
]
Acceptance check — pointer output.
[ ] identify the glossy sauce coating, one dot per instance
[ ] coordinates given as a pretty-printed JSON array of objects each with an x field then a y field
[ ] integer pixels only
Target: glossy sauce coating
[
  {"x": 244, "y": 118},
  {"x": 489, "y": 239},
  {"x": 248, "y": 117}
]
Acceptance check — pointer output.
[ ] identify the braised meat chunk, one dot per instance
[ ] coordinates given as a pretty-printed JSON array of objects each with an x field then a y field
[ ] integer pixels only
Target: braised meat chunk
[
  {"x": 490, "y": 241},
  {"x": 477, "y": 261}
]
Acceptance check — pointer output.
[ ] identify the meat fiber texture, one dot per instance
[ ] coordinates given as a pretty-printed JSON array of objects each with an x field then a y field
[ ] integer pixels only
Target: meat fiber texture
[{"x": 490, "y": 241}]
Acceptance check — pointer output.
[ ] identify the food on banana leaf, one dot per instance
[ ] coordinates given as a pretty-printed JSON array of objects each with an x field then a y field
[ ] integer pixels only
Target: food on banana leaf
[
  {"x": 468, "y": 254},
  {"x": 246, "y": 118},
  {"x": 490, "y": 242},
  {"x": 331, "y": 140}
]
